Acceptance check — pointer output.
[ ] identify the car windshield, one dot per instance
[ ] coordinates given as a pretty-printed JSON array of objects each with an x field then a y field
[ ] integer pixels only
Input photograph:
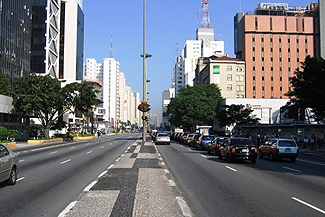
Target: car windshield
[
  {"x": 287, "y": 143},
  {"x": 239, "y": 142},
  {"x": 221, "y": 140},
  {"x": 163, "y": 134}
]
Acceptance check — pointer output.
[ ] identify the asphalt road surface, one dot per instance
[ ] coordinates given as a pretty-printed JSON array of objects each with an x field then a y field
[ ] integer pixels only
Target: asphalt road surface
[
  {"x": 213, "y": 187},
  {"x": 50, "y": 177}
]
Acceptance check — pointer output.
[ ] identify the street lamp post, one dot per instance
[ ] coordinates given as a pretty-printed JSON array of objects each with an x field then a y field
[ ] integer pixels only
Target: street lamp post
[{"x": 144, "y": 56}]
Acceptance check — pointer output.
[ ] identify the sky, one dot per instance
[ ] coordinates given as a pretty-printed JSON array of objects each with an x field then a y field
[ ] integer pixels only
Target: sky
[{"x": 169, "y": 23}]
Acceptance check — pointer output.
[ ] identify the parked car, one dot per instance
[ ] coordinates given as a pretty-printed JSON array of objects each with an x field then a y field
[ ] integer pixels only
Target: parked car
[
  {"x": 215, "y": 144},
  {"x": 279, "y": 148},
  {"x": 195, "y": 140},
  {"x": 8, "y": 165},
  {"x": 204, "y": 141},
  {"x": 162, "y": 138},
  {"x": 236, "y": 148},
  {"x": 183, "y": 137},
  {"x": 188, "y": 139}
]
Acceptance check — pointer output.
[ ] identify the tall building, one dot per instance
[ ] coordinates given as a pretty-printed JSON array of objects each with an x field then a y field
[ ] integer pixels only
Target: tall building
[
  {"x": 45, "y": 37},
  {"x": 167, "y": 95},
  {"x": 203, "y": 46},
  {"x": 179, "y": 74},
  {"x": 111, "y": 69},
  {"x": 15, "y": 46},
  {"x": 71, "y": 41},
  {"x": 123, "y": 102},
  {"x": 273, "y": 41},
  {"x": 321, "y": 13},
  {"x": 228, "y": 73}
]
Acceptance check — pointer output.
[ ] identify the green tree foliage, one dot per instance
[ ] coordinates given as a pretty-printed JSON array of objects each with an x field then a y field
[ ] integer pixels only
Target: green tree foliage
[
  {"x": 308, "y": 87},
  {"x": 4, "y": 85},
  {"x": 43, "y": 97},
  {"x": 3, "y": 133},
  {"x": 236, "y": 115},
  {"x": 194, "y": 106}
]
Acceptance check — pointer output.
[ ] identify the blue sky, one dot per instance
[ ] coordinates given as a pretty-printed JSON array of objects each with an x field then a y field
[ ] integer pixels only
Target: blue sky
[{"x": 169, "y": 22}]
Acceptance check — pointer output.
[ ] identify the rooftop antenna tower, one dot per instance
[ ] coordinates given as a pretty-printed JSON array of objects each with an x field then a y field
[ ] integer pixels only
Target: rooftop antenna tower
[
  {"x": 205, "y": 15},
  {"x": 111, "y": 55}
]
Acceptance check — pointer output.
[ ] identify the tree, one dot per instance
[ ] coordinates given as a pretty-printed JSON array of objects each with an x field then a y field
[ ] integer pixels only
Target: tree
[
  {"x": 4, "y": 85},
  {"x": 44, "y": 98},
  {"x": 308, "y": 87},
  {"x": 194, "y": 106},
  {"x": 236, "y": 115}
]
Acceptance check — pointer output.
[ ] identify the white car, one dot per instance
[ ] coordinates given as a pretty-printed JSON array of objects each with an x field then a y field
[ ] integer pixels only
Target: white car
[
  {"x": 279, "y": 148},
  {"x": 8, "y": 165},
  {"x": 162, "y": 138}
]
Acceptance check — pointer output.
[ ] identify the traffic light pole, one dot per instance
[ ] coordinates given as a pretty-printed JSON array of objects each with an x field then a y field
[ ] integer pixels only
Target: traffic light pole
[{"x": 144, "y": 131}]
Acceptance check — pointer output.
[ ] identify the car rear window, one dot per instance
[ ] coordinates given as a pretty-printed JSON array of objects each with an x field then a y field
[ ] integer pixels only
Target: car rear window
[
  {"x": 287, "y": 143},
  {"x": 163, "y": 134},
  {"x": 239, "y": 142}
]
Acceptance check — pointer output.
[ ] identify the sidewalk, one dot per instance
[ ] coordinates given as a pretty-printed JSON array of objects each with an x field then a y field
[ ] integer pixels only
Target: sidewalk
[
  {"x": 136, "y": 184},
  {"x": 319, "y": 152}
]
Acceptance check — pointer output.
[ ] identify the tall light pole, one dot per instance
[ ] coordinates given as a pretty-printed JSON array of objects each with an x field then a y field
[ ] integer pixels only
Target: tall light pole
[{"x": 144, "y": 56}]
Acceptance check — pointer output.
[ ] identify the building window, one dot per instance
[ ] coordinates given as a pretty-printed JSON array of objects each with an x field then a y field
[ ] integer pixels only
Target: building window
[
  {"x": 237, "y": 88},
  {"x": 229, "y": 87},
  {"x": 216, "y": 69},
  {"x": 229, "y": 77},
  {"x": 229, "y": 68}
]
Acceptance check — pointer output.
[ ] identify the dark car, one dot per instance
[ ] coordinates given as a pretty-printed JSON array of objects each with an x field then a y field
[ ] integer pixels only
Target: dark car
[
  {"x": 195, "y": 140},
  {"x": 236, "y": 148},
  {"x": 204, "y": 141},
  {"x": 215, "y": 144}
]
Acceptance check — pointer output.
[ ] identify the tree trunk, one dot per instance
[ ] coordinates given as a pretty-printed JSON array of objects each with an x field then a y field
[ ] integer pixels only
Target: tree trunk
[{"x": 47, "y": 133}]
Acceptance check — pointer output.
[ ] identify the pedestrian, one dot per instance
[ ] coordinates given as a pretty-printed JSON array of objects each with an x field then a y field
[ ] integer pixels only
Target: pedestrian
[
  {"x": 306, "y": 142},
  {"x": 99, "y": 135}
]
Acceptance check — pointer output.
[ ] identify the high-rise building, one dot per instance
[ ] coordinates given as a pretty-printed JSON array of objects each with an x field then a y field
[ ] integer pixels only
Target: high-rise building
[
  {"x": 273, "y": 41},
  {"x": 45, "y": 37},
  {"x": 15, "y": 46},
  {"x": 71, "y": 41},
  {"x": 111, "y": 69},
  {"x": 167, "y": 95},
  {"x": 320, "y": 14},
  {"x": 179, "y": 74}
]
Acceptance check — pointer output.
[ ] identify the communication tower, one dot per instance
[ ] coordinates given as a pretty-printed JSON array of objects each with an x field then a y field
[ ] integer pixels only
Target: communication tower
[{"x": 205, "y": 14}]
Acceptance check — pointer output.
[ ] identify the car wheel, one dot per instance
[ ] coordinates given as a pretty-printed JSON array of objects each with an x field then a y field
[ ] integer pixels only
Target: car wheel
[
  {"x": 215, "y": 152},
  {"x": 13, "y": 177},
  {"x": 208, "y": 150},
  {"x": 220, "y": 156},
  {"x": 271, "y": 157},
  {"x": 196, "y": 147},
  {"x": 260, "y": 155},
  {"x": 293, "y": 159},
  {"x": 253, "y": 161}
]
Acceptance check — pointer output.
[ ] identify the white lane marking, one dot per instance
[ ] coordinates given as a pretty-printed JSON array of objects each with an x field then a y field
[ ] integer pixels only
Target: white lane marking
[
  {"x": 67, "y": 209},
  {"x": 20, "y": 179},
  {"x": 172, "y": 183},
  {"x": 110, "y": 166},
  {"x": 312, "y": 162},
  {"x": 309, "y": 205},
  {"x": 63, "y": 162},
  {"x": 25, "y": 151},
  {"x": 73, "y": 147},
  {"x": 189, "y": 149},
  {"x": 89, "y": 152},
  {"x": 110, "y": 143},
  {"x": 54, "y": 152},
  {"x": 87, "y": 144},
  {"x": 21, "y": 161},
  {"x": 203, "y": 156},
  {"x": 184, "y": 207},
  {"x": 288, "y": 168},
  {"x": 102, "y": 147},
  {"x": 103, "y": 173},
  {"x": 231, "y": 168},
  {"x": 90, "y": 186}
]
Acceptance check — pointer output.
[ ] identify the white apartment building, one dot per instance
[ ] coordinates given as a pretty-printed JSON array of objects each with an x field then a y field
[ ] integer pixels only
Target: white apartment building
[
  {"x": 203, "y": 46},
  {"x": 123, "y": 102},
  {"x": 111, "y": 69},
  {"x": 179, "y": 74},
  {"x": 167, "y": 95}
]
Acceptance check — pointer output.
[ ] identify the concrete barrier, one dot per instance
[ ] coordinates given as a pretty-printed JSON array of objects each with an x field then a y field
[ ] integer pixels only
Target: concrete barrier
[
  {"x": 11, "y": 145},
  {"x": 45, "y": 141},
  {"x": 79, "y": 138}
]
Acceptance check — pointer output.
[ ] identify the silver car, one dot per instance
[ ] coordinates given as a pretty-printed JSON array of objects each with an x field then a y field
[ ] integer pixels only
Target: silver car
[
  {"x": 8, "y": 165},
  {"x": 162, "y": 138}
]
